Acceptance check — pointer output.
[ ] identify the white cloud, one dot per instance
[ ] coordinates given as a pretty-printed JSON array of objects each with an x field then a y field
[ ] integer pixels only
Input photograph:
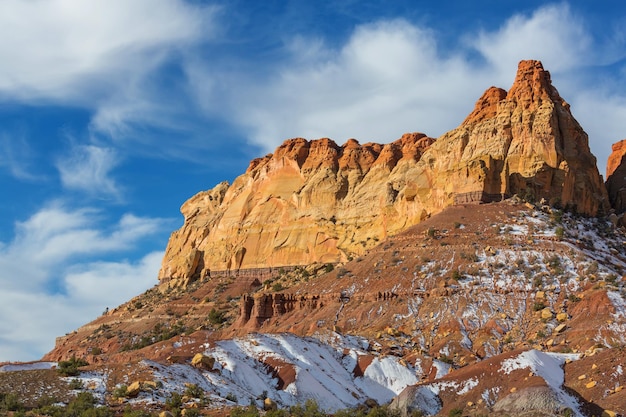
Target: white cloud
[
  {"x": 88, "y": 169},
  {"x": 386, "y": 80},
  {"x": 67, "y": 49},
  {"x": 39, "y": 317},
  {"x": 106, "y": 56},
  {"x": 392, "y": 77},
  {"x": 16, "y": 155},
  {"x": 552, "y": 34},
  {"x": 50, "y": 284}
]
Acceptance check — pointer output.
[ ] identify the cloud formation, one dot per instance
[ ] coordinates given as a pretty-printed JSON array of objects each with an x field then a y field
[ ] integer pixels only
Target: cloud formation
[
  {"x": 51, "y": 282},
  {"x": 88, "y": 169},
  {"x": 392, "y": 77},
  {"x": 67, "y": 50}
]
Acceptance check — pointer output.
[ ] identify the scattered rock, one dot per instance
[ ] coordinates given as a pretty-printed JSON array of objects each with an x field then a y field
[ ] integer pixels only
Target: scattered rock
[{"x": 203, "y": 362}]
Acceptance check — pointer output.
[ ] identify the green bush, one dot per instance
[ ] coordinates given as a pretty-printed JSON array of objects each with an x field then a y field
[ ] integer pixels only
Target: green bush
[
  {"x": 250, "y": 411},
  {"x": 76, "y": 384},
  {"x": 70, "y": 368},
  {"x": 455, "y": 412},
  {"x": 216, "y": 317},
  {"x": 194, "y": 391},
  {"x": 174, "y": 402},
  {"x": 120, "y": 392},
  {"x": 10, "y": 402}
]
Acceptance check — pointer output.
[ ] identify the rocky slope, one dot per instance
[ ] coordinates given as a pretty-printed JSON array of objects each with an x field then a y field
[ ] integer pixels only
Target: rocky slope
[
  {"x": 315, "y": 201},
  {"x": 463, "y": 310}
]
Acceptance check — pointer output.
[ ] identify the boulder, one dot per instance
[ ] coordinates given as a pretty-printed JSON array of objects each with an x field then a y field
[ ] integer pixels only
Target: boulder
[
  {"x": 418, "y": 399},
  {"x": 203, "y": 361},
  {"x": 530, "y": 400}
]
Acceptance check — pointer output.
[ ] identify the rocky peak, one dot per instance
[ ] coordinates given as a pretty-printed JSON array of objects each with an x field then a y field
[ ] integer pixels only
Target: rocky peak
[
  {"x": 533, "y": 85},
  {"x": 487, "y": 105},
  {"x": 616, "y": 177},
  {"x": 615, "y": 159}
]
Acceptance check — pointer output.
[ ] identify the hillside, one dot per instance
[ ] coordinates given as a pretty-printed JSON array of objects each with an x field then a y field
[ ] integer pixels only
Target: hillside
[{"x": 478, "y": 273}]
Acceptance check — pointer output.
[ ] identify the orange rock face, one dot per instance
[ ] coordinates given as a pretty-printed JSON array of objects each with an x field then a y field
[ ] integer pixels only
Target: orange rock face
[
  {"x": 616, "y": 177},
  {"x": 615, "y": 159},
  {"x": 316, "y": 201}
]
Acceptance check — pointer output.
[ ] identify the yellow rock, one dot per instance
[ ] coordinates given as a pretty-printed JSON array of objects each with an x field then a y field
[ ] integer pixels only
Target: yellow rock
[
  {"x": 609, "y": 413},
  {"x": 202, "y": 361},
  {"x": 269, "y": 404},
  {"x": 550, "y": 342},
  {"x": 133, "y": 389},
  {"x": 540, "y": 295},
  {"x": 618, "y": 389},
  {"x": 581, "y": 377},
  {"x": 513, "y": 389},
  {"x": 594, "y": 366},
  {"x": 546, "y": 313},
  {"x": 470, "y": 404},
  {"x": 562, "y": 317},
  {"x": 560, "y": 328},
  {"x": 591, "y": 384}
]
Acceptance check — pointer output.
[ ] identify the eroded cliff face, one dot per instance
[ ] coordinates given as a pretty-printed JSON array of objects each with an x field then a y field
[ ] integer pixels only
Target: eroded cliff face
[
  {"x": 616, "y": 177},
  {"x": 315, "y": 201},
  {"x": 523, "y": 142},
  {"x": 310, "y": 201}
]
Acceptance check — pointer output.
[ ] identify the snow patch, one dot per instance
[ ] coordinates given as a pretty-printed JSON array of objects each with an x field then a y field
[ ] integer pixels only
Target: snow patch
[{"x": 549, "y": 367}]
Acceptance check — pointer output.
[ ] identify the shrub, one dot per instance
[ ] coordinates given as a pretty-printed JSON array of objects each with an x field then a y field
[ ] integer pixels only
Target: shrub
[
  {"x": 559, "y": 232},
  {"x": 194, "y": 391},
  {"x": 277, "y": 287},
  {"x": 216, "y": 317},
  {"x": 10, "y": 402},
  {"x": 250, "y": 411},
  {"x": 129, "y": 412},
  {"x": 174, "y": 402},
  {"x": 70, "y": 368},
  {"x": 538, "y": 306},
  {"x": 455, "y": 412},
  {"x": 231, "y": 397},
  {"x": 76, "y": 384},
  {"x": 120, "y": 392}
]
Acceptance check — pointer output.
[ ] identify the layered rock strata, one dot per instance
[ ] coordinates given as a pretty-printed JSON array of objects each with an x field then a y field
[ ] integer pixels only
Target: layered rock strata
[{"x": 315, "y": 201}]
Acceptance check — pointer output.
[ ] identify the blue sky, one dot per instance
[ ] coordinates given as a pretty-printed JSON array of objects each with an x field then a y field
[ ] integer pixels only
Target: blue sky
[{"x": 114, "y": 112}]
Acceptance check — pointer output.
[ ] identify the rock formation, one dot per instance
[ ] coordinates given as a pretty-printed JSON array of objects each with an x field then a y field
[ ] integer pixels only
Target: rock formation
[
  {"x": 315, "y": 201},
  {"x": 616, "y": 177}
]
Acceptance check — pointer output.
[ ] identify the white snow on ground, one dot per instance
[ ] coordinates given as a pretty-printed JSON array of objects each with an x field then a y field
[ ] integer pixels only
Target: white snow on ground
[
  {"x": 442, "y": 368},
  {"x": 94, "y": 382},
  {"x": 27, "y": 366},
  {"x": 549, "y": 367},
  {"x": 618, "y": 302},
  {"x": 323, "y": 371}
]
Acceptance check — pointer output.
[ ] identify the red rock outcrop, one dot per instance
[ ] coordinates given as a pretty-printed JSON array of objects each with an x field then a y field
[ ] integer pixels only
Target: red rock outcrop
[
  {"x": 616, "y": 177},
  {"x": 316, "y": 201},
  {"x": 615, "y": 159}
]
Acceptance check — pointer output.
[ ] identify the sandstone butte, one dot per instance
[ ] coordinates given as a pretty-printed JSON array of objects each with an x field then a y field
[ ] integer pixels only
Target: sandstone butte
[
  {"x": 616, "y": 177},
  {"x": 315, "y": 201}
]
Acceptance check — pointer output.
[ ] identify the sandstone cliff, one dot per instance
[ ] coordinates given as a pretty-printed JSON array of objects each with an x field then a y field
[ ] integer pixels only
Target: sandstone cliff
[
  {"x": 315, "y": 201},
  {"x": 616, "y": 177}
]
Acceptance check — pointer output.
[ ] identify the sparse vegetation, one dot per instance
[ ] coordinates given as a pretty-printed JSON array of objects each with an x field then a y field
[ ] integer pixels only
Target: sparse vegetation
[
  {"x": 216, "y": 317},
  {"x": 194, "y": 391},
  {"x": 70, "y": 367},
  {"x": 455, "y": 412}
]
